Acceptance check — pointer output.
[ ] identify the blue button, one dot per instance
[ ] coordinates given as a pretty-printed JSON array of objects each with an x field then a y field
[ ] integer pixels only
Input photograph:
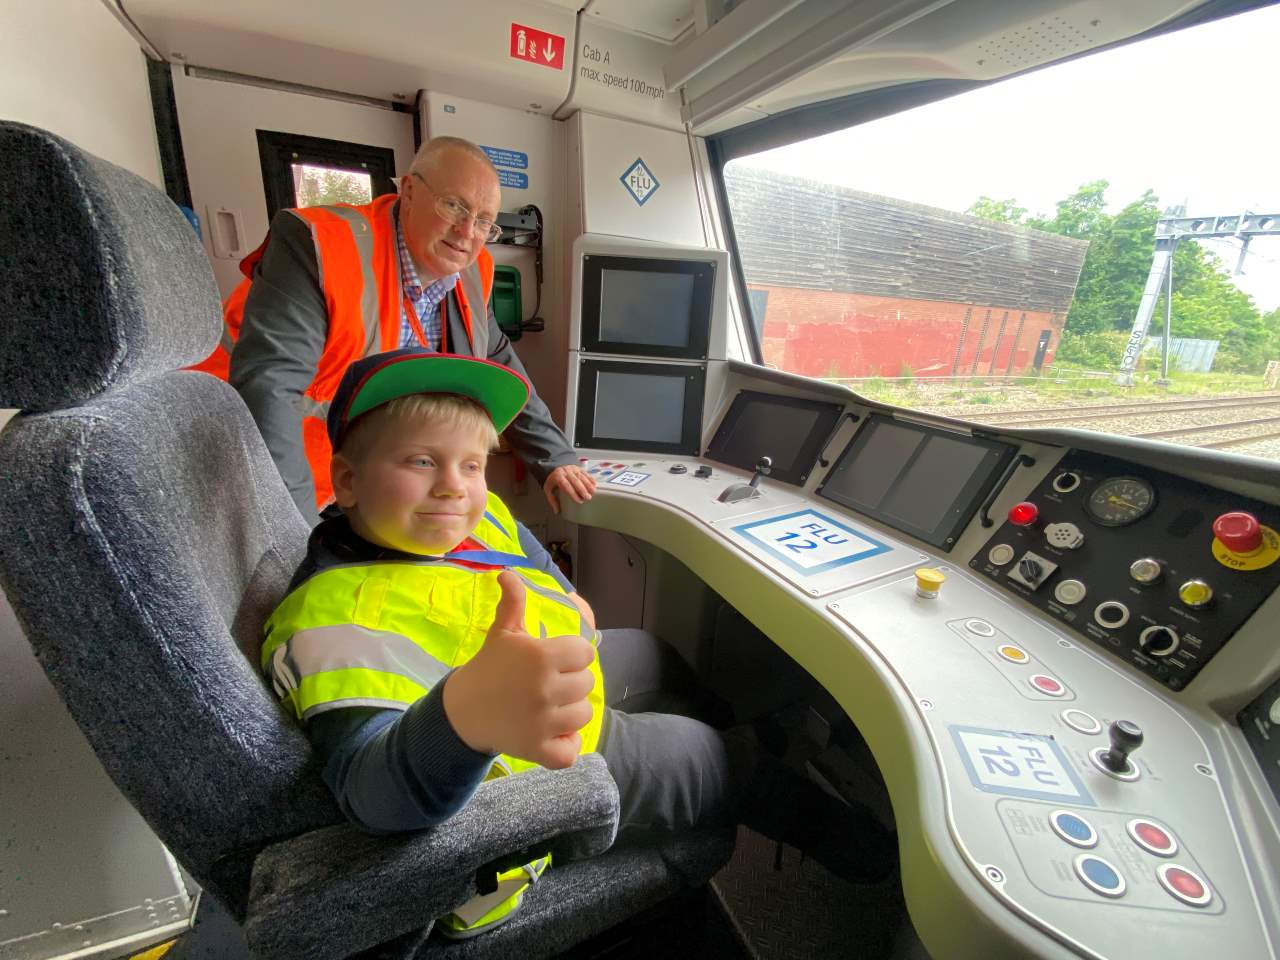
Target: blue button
[
  {"x": 606, "y": 473},
  {"x": 594, "y": 470},
  {"x": 1073, "y": 828},
  {"x": 1099, "y": 876}
]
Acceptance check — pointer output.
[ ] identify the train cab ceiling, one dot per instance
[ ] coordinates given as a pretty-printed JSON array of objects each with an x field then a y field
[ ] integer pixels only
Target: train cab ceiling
[{"x": 731, "y": 63}]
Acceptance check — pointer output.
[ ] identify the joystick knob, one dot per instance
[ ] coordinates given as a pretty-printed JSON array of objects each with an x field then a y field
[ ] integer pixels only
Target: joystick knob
[
  {"x": 764, "y": 467},
  {"x": 1125, "y": 737}
]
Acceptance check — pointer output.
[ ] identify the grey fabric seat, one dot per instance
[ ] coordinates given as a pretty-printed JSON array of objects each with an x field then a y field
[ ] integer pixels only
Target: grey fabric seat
[{"x": 144, "y": 536}]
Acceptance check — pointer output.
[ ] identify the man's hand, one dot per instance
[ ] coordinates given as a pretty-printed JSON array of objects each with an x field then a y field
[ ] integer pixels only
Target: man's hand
[
  {"x": 573, "y": 480},
  {"x": 522, "y": 695}
]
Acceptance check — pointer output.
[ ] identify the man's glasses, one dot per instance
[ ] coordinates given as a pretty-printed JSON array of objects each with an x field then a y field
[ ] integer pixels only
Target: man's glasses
[{"x": 457, "y": 214}]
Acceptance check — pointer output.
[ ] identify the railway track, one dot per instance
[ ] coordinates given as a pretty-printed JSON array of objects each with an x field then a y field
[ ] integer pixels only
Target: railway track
[{"x": 1055, "y": 415}]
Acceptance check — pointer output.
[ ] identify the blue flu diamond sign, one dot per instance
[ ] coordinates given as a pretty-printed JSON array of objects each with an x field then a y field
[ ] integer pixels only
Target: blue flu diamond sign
[{"x": 640, "y": 182}]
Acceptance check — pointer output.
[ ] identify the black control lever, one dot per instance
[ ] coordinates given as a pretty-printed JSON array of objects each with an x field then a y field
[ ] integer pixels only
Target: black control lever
[
  {"x": 1125, "y": 737},
  {"x": 764, "y": 467}
]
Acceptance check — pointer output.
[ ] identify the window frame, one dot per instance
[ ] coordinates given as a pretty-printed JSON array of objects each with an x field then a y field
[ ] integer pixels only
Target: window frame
[
  {"x": 279, "y": 151},
  {"x": 841, "y": 113}
]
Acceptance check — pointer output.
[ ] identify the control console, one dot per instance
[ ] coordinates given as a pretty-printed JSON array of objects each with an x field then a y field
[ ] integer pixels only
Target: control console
[{"x": 1157, "y": 569}]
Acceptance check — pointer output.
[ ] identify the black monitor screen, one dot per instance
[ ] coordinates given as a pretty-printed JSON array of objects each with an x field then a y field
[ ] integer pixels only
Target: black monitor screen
[
  {"x": 653, "y": 407},
  {"x": 789, "y": 431},
  {"x": 917, "y": 479},
  {"x": 650, "y": 308},
  {"x": 647, "y": 307}
]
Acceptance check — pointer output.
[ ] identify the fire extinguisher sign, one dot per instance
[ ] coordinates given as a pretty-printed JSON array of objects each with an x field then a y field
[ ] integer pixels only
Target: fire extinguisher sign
[{"x": 537, "y": 46}]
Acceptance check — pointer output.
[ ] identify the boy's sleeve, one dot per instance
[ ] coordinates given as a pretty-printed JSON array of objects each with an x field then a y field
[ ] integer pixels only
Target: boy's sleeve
[
  {"x": 391, "y": 770},
  {"x": 539, "y": 557}
]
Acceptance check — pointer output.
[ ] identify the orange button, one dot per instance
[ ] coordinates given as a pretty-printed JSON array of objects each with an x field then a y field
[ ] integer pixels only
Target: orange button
[{"x": 1013, "y": 654}]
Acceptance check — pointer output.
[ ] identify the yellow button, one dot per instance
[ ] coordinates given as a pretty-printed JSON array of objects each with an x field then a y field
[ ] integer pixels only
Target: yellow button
[
  {"x": 929, "y": 581},
  {"x": 1195, "y": 593},
  {"x": 1012, "y": 653}
]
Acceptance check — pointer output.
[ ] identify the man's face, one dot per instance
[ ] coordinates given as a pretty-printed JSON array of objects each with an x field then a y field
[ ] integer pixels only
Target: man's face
[
  {"x": 439, "y": 247},
  {"x": 418, "y": 486}
]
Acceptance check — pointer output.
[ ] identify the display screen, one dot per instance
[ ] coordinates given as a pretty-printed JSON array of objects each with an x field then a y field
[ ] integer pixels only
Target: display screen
[
  {"x": 620, "y": 398},
  {"x": 789, "y": 431},
  {"x": 655, "y": 407},
  {"x": 647, "y": 307},
  {"x": 917, "y": 479},
  {"x": 1018, "y": 765}
]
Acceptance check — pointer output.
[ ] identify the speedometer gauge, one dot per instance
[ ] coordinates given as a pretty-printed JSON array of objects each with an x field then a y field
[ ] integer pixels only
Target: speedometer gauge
[{"x": 1119, "y": 501}]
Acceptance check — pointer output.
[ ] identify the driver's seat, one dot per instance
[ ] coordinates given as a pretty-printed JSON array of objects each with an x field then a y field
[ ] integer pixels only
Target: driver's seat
[{"x": 145, "y": 534}]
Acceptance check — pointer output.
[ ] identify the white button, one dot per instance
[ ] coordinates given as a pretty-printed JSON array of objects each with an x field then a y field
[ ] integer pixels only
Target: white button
[
  {"x": 1000, "y": 554},
  {"x": 1081, "y": 721},
  {"x": 1069, "y": 592},
  {"x": 980, "y": 627},
  {"x": 1275, "y": 712}
]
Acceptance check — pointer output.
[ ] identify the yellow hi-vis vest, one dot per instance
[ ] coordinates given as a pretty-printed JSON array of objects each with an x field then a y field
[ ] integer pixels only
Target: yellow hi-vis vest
[{"x": 383, "y": 633}]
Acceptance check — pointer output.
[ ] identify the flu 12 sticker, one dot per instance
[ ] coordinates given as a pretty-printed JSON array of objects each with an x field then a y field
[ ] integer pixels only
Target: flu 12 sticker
[{"x": 810, "y": 541}]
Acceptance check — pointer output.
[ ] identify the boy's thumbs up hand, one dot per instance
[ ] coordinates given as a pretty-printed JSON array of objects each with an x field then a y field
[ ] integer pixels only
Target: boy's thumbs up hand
[{"x": 522, "y": 695}]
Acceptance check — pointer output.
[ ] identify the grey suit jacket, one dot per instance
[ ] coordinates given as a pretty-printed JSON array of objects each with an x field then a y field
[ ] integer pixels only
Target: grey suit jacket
[{"x": 283, "y": 337}]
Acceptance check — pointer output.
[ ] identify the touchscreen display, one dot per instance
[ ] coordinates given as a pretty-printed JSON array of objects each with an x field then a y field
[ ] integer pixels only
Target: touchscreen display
[
  {"x": 918, "y": 479},
  {"x": 789, "y": 431},
  {"x": 646, "y": 307},
  {"x": 620, "y": 398}
]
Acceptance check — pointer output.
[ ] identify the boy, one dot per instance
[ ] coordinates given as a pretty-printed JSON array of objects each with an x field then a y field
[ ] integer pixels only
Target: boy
[{"x": 424, "y": 650}]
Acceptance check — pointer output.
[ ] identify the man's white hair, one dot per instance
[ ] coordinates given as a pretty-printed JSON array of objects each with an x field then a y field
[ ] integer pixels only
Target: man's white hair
[{"x": 430, "y": 154}]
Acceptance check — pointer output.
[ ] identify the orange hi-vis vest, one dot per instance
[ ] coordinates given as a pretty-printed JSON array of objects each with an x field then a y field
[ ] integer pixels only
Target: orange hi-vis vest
[{"x": 359, "y": 268}]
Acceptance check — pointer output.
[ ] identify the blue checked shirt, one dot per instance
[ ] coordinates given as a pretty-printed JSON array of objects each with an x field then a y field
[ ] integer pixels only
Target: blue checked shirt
[{"x": 426, "y": 300}]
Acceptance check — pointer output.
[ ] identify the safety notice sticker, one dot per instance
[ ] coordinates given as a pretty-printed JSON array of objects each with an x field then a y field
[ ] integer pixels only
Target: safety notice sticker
[
  {"x": 501, "y": 157},
  {"x": 537, "y": 46},
  {"x": 513, "y": 178},
  {"x": 640, "y": 182}
]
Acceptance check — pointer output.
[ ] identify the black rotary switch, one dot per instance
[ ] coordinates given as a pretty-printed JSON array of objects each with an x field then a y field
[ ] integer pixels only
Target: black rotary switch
[
  {"x": 1030, "y": 569},
  {"x": 1158, "y": 641},
  {"x": 1125, "y": 737}
]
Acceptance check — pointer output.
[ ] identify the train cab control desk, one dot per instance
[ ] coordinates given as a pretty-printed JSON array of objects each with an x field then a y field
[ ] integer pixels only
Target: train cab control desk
[{"x": 1048, "y": 804}]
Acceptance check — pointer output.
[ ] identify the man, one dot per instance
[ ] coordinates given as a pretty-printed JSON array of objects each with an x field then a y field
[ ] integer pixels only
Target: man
[{"x": 331, "y": 285}]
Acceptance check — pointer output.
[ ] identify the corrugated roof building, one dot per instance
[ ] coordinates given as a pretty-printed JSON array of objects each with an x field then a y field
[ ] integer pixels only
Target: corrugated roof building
[{"x": 856, "y": 284}]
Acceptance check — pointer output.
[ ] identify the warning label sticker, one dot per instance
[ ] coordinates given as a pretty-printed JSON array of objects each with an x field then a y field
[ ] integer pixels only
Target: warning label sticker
[{"x": 537, "y": 46}]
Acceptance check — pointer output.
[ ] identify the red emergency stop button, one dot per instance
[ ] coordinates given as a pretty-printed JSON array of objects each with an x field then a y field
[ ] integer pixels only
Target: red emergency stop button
[
  {"x": 1238, "y": 531},
  {"x": 1023, "y": 514}
]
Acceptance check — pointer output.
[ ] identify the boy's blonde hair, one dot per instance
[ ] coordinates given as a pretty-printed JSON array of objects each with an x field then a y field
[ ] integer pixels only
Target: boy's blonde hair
[{"x": 457, "y": 412}]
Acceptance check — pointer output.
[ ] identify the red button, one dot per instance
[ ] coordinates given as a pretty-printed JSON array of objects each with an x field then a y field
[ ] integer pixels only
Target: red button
[
  {"x": 1023, "y": 514},
  {"x": 1152, "y": 838},
  {"x": 1185, "y": 883},
  {"x": 1239, "y": 532},
  {"x": 1048, "y": 685}
]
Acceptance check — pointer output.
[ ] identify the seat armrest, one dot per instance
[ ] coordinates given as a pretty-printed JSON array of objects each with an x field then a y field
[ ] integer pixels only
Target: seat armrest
[{"x": 336, "y": 891}]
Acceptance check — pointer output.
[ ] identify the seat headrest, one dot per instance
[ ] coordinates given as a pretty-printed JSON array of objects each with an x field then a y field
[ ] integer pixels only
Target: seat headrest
[{"x": 102, "y": 279}]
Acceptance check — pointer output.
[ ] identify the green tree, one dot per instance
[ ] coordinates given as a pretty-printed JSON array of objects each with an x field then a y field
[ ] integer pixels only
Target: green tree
[
  {"x": 322, "y": 185},
  {"x": 1206, "y": 304},
  {"x": 1082, "y": 215},
  {"x": 1002, "y": 211}
]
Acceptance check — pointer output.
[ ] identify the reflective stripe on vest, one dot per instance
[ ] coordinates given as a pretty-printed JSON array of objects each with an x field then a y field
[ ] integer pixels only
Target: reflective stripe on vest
[
  {"x": 359, "y": 269},
  {"x": 383, "y": 633}
]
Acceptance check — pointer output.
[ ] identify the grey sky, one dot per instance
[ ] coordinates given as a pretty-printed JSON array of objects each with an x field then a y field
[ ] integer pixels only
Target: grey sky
[{"x": 1190, "y": 115}]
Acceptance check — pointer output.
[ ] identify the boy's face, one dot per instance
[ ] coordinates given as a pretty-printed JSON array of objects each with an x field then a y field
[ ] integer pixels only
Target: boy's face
[{"x": 418, "y": 486}]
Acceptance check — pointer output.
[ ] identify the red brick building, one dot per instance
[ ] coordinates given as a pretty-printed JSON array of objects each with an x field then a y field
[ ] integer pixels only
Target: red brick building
[{"x": 851, "y": 284}]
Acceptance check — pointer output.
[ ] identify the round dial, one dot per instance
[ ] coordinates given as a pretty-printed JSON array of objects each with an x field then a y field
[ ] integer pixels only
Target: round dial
[{"x": 1120, "y": 500}]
